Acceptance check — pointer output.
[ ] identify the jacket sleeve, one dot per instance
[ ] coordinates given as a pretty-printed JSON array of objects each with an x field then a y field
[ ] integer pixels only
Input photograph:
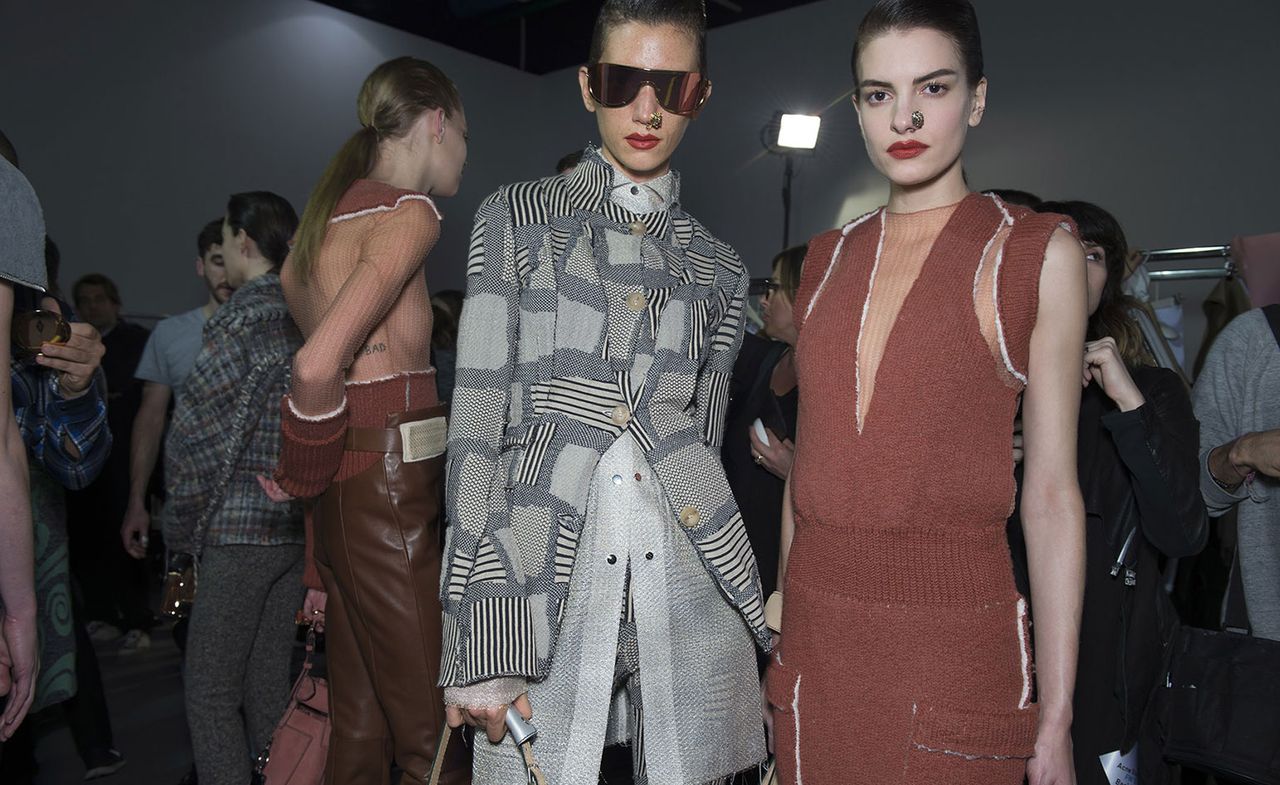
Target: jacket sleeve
[
  {"x": 1218, "y": 402},
  {"x": 69, "y": 437},
  {"x": 487, "y": 625},
  {"x": 711, "y": 395},
  {"x": 1159, "y": 443}
]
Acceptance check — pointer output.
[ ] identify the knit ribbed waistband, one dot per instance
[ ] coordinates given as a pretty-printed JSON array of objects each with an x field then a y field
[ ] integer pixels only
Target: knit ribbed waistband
[{"x": 916, "y": 566}]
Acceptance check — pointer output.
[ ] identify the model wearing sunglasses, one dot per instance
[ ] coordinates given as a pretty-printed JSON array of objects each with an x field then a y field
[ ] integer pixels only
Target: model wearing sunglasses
[{"x": 679, "y": 92}]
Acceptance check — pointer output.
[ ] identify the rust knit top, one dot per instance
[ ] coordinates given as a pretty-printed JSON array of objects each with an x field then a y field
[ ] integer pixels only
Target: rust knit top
[
  {"x": 365, "y": 305},
  {"x": 914, "y": 340},
  {"x": 915, "y": 331}
]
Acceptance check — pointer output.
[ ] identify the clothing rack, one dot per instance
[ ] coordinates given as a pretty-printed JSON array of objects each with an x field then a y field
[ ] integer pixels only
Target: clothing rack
[{"x": 1226, "y": 269}]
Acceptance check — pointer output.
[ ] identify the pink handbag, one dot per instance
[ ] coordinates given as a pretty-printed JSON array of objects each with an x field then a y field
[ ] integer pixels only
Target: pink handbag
[{"x": 299, "y": 744}]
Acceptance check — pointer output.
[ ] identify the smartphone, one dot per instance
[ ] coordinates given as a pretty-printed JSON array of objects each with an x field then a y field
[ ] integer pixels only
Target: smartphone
[{"x": 761, "y": 433}]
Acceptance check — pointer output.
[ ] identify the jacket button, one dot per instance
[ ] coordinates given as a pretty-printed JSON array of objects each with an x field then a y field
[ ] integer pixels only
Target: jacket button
[
  {"x": 636, "y": 301},
  {"x": 649, "y": 555},
  {"x": 612, "y": 559},
  {"x": 617, "y": 479},
  {"x": 620, "y": 415},
  {"x": 639, "y": 477},
  {"x": 638, "y": 228},
  {"x": 690, "y": 517}
]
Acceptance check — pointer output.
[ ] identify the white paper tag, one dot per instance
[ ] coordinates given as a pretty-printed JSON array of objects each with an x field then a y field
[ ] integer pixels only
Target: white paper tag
[
  {"x": 424, "y": 439},
  {"x": 1121, "y": 769}
]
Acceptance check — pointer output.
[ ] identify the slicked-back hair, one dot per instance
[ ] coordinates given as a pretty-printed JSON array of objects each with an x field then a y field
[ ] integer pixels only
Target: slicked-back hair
[
  {"x": 689, "y": 15},
  {"x": 210, "y": 235},
  {"x": 955, "y": 19},
  {"x": 268, "y": 219}
]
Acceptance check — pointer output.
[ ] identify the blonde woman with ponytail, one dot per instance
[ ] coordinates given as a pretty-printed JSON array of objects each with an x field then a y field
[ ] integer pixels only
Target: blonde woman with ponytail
[{"x": 363, "y": 431}]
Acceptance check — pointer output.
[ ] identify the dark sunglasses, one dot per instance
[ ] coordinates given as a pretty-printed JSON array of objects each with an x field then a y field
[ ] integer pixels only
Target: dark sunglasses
[
  {"x": 32, "y": 329},
  {"x": 762, "y": 287},
  {"x": 679, "y": 92}
]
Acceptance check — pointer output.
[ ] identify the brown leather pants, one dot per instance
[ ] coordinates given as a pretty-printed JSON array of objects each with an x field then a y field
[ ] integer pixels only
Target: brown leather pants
[{"x": 377, "y": 549}]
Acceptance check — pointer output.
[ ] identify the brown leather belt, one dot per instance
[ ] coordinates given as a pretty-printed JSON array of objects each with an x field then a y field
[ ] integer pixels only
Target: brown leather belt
[{"x": 374, "y": 440}]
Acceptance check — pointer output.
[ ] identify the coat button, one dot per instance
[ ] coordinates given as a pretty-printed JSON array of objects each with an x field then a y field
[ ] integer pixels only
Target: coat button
[
  {"x": 620, "y": 415},
  {"x": 617, "y": 479},
  {"x": 690, "y": 517},
  {"x": 612, "y": 559},
  {"x": 639, "y": 477},
  {"x": 636, "y": 301},
  {"x": 638, "y": 228},
  {"x": 649, "y": 555}
]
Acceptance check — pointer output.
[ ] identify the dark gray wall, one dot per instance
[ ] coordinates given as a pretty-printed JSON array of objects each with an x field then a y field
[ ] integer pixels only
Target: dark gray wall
[{"x": 137, "y": 118}]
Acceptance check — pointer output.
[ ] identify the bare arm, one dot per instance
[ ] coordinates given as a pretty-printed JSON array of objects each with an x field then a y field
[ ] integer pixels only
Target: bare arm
[
  {"x": 788, "y": 532},
  {"x": 144, "y": 450},
  {"x": 1052, "y": 508},
  {"x": 17, "y": 559}
]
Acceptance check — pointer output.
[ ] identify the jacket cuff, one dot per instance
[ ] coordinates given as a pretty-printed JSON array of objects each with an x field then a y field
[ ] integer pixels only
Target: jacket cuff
[
  {"x": 486, "y": 694},
  {"x": 310, "y": 449}
]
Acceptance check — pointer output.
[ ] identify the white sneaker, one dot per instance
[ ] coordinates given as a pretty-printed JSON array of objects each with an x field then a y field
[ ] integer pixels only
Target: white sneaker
[
  {"x": 102, "y": 632},
  {"x": 134, "y": 642}
]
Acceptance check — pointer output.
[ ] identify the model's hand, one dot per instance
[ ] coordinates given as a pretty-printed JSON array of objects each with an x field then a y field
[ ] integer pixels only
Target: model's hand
[
  {"x": 776, "y": 456},
  {"x": 766, "y": 711},
  {"x": 313, "y": 608},
  {"x": 6, "y": 662},
  {"x": 1103, "y": 364},
  {"x": 493, "y": 720},
  {"x": 1017, "y": 440},
  {"x": 1051, "y": 764},
  {"x": 77, "y": 359},
  {"x": 133, "y": 532},
  {"x": 24, "y": 665},
  {"x": 1258, "y": 452},
  {"x": 273, "y": 490}
]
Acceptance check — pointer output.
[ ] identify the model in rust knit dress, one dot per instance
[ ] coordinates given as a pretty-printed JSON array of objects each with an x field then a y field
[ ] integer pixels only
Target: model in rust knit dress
[
  {"x": 905, "y": 652},
  {"x": 365, "y": 433}
]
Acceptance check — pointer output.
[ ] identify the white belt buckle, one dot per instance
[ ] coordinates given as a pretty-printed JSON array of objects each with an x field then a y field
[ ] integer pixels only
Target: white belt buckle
[{"x": 423, "y": 440}]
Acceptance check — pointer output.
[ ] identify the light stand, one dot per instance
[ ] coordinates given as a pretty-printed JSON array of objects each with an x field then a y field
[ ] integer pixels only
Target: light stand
[{"x": 790, "y": 135}]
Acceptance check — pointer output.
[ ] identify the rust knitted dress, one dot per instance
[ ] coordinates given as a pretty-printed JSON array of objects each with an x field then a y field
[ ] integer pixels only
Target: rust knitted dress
[{"x": 906, "y": 654}]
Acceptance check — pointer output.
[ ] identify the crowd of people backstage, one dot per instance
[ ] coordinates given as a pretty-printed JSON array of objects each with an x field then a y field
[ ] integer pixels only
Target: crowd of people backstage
[{"x": 588, "y": 492}]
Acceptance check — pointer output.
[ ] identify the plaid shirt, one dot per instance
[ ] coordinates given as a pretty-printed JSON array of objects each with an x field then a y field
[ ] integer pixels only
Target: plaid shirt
[
  {"x": 49, "y": 422},
  {"x": 226, "y": 427}
]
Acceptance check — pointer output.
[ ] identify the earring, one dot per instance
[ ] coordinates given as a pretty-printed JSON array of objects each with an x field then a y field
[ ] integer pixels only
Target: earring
[
  {"x": 917, "y": 119},
  {"x": 655, "y": 121}
]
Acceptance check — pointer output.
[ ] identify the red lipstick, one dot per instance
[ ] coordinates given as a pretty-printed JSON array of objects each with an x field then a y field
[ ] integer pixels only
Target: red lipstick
[
  {"x": 643, "y": 141},
  {"x": 904, "y": 150}
]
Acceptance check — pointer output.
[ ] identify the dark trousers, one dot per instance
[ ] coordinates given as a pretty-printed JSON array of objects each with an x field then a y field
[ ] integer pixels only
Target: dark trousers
[
  {"x": 114, "y": 582},
  {"x": 85, "y": 712}
]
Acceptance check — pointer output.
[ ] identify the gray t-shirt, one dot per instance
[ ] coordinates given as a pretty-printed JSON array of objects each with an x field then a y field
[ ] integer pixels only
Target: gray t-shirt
[
  {"x": 172, "y": 348},
  {"x": 1238, "y": 392}
]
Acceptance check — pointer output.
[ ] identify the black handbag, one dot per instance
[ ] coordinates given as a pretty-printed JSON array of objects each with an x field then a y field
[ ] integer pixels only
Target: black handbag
[{"x": 1219, "y": 707}]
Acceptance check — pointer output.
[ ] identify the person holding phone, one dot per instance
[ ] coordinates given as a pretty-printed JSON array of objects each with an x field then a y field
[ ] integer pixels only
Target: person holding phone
[{"x": 760, "y": 428}]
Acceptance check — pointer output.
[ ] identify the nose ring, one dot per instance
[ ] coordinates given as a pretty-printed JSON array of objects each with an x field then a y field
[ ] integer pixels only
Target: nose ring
[
  {"x": 655, "y": 121},
  {"x": 917, "y": 119}
]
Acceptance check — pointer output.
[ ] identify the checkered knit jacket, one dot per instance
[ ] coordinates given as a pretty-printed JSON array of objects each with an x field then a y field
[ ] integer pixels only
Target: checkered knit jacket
[{"x": 560, "y": 277}]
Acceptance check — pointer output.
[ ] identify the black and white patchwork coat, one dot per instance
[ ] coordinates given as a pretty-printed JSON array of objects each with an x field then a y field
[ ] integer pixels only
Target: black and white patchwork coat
[{"x": 559, "y": 277}]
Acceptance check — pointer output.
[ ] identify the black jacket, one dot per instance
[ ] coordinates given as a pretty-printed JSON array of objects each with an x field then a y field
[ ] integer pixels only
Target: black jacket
[{"x": 1139, "y": 471}]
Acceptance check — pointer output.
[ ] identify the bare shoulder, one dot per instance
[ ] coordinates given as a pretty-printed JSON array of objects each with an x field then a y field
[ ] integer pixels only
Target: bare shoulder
[{"x": 1064, "y": 253}]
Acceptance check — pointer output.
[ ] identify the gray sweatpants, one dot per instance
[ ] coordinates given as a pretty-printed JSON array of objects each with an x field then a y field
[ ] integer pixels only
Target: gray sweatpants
[{"x": 238, "y": 653}]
